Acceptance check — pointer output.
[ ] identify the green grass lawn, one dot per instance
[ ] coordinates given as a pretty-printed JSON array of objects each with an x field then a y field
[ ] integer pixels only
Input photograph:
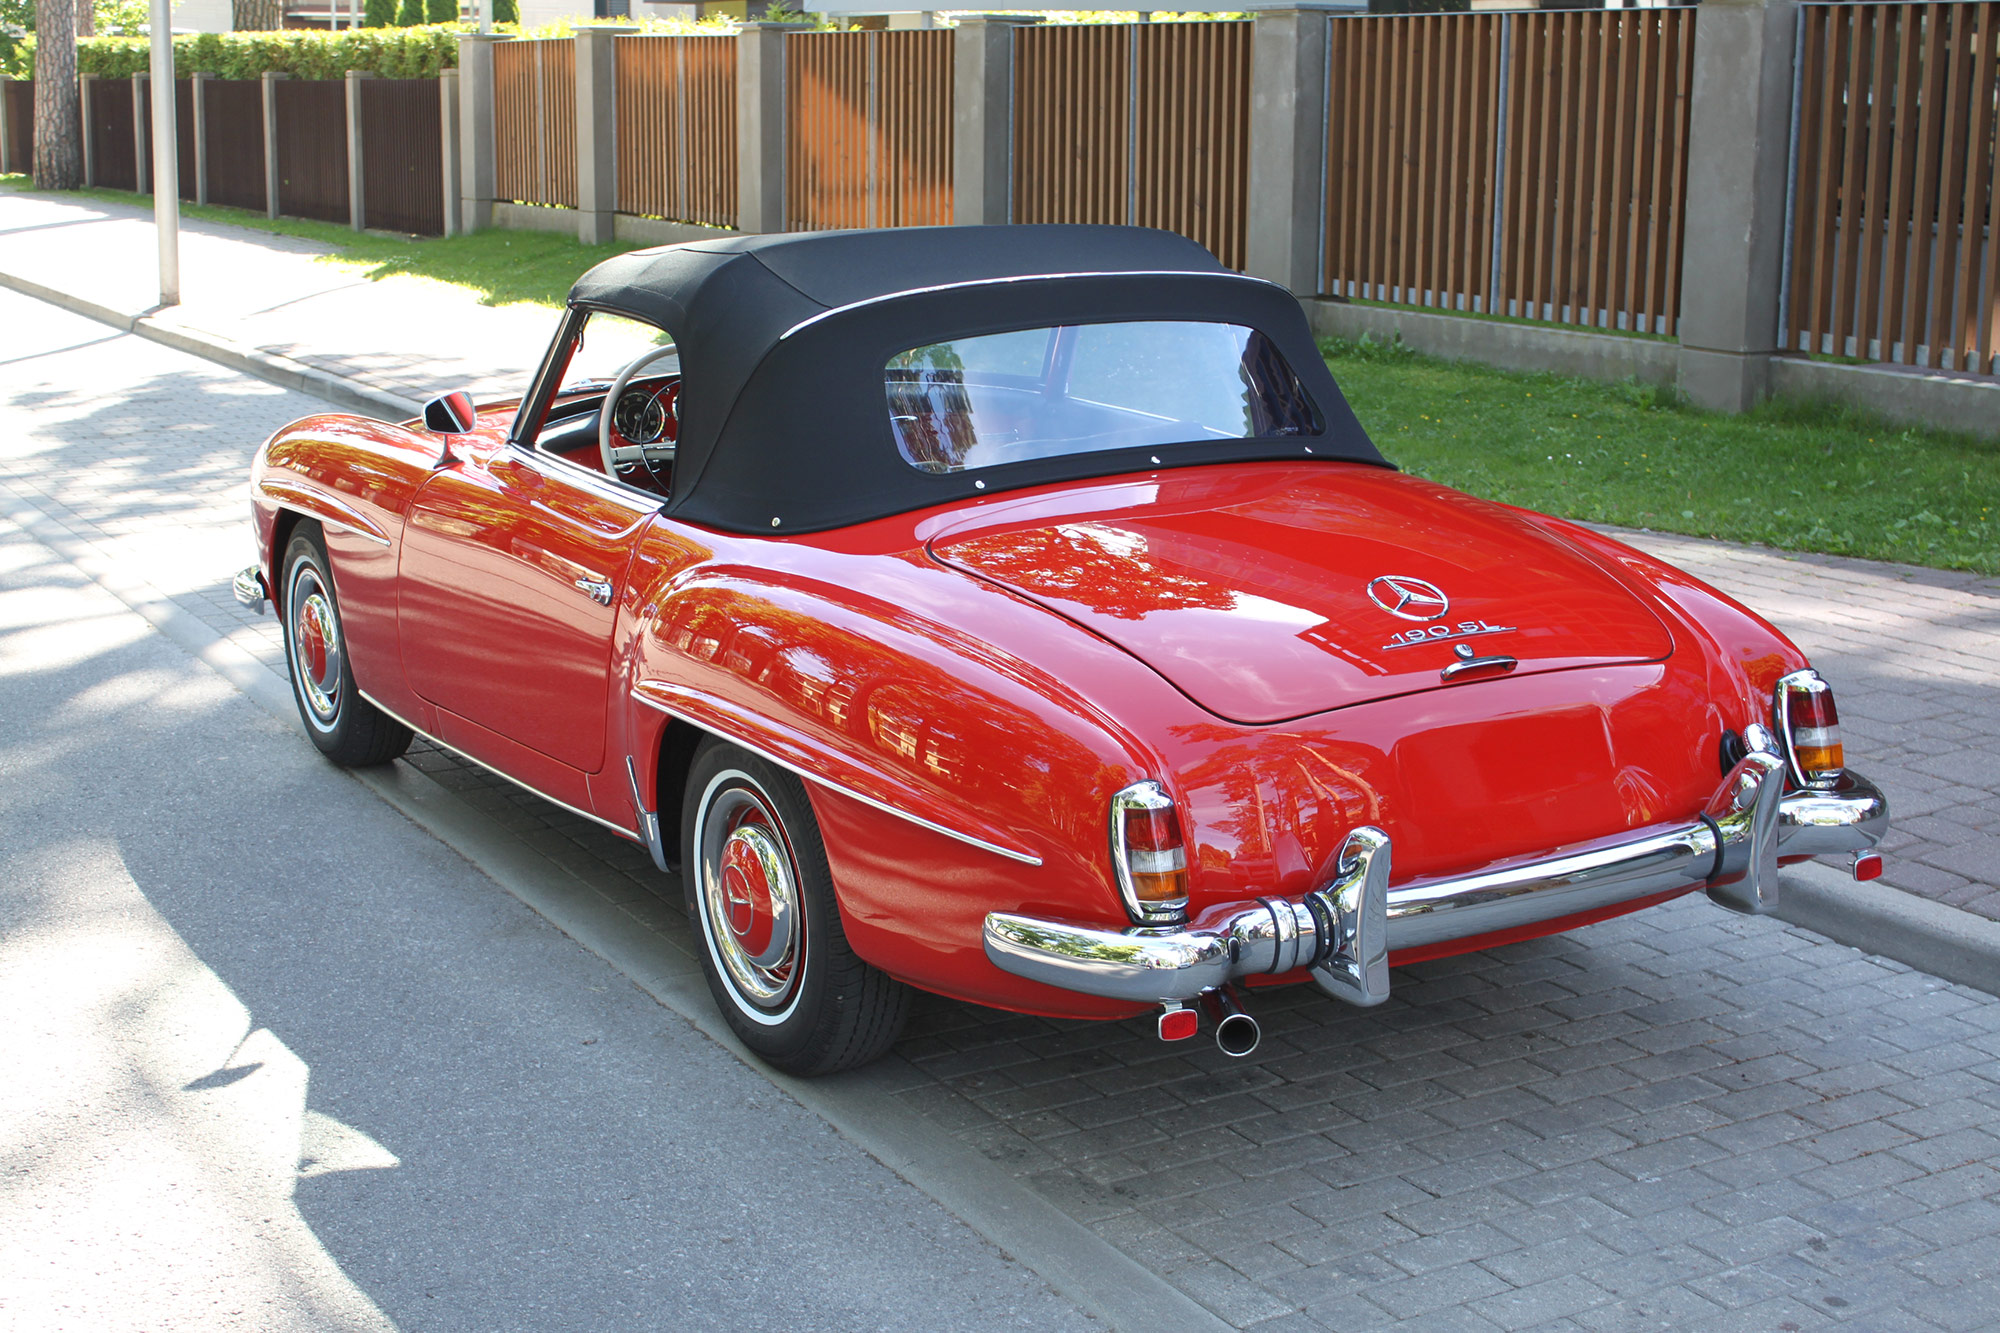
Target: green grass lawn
[{"x": 1803, "y": 476}]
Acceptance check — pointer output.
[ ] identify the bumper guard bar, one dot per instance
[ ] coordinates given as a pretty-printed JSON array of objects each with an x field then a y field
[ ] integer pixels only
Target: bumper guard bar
[{"x": 1344, "y": 932}]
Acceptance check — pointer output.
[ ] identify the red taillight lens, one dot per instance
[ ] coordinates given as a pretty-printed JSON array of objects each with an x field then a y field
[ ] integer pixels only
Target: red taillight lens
[
  {"x": 1150, "y": 854},
  {"x": 1812, "y": 728}
]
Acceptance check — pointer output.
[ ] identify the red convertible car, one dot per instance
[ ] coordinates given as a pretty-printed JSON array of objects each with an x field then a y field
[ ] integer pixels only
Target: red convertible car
[{"x": 1021, "y": 614}]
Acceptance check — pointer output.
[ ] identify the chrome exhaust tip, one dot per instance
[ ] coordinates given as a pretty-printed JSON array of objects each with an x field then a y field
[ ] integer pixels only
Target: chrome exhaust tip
[{"x": 1236, "y": 1033}]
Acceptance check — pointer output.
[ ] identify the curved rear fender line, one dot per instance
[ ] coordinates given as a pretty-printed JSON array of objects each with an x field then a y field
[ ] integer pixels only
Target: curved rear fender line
[
  {"x": 1731, "y": 637},
  {"x": 708, "y": 715}
]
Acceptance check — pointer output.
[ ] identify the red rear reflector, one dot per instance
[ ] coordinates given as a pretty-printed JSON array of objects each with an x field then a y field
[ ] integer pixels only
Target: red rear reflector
[
  {"x": 1179, "y": 1024},
  {"x": 1867, "y": 865}
]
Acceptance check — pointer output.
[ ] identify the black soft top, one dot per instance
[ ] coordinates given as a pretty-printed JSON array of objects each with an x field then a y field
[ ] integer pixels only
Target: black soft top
[{"x": 783, "y": 339}]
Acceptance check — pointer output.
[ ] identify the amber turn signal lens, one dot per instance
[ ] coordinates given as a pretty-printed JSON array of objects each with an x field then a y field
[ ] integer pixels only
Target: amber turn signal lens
[{"x": 1150, "y": 853}]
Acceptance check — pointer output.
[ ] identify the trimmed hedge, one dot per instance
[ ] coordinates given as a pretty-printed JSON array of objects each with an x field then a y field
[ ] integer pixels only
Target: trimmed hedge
[{"x": 390, "y": 53}]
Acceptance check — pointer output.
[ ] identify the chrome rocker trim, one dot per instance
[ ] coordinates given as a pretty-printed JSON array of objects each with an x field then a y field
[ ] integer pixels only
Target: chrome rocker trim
[
  {"x": 1344, "y": 932},
  {"x": 248, "y": 585}
]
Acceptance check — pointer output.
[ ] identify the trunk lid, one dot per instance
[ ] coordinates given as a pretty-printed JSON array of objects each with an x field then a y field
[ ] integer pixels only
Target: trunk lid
[{"x": 1275, "y": 592}]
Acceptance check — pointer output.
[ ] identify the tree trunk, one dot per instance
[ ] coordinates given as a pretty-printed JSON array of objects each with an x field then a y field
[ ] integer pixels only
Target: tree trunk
[
  {"x": 257, "y": 15},
  {"x": 86, "y": 18},
  {"x": 58, "y": 122}
]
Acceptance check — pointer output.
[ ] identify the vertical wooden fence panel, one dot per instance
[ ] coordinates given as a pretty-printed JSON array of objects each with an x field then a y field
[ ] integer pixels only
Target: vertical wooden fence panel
[
  {"x": 20, "y": 95},
  {"x": 677, "y": 128},
  {"x": 402, "y": 155},
  {"x": 235, "y": 119},
  {"x": 912, "y": 127},
  {"x": 1072, "y": 123},
  {"x": 1891, "y": 254},
  {"x": 1191, "y": 145},
  {"x": 534, "y": 121},
  {"x": 1145, "y": 123},
  {"x": 826, "y": 129},
  {"x": 184, "y": 137},
  {"x": 312, "y": 148},
  {"x": 868, "y": 129},
  {"x": 111, "y": 134},
  {"x": 1596, "y": 167},
  {"x": 1412, "y": 119}
]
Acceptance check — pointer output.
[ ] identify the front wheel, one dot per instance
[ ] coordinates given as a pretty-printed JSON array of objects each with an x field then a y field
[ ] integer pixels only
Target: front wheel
[
  {"x": 773, "y": 948},
  {"x": 346, "y": 727}
]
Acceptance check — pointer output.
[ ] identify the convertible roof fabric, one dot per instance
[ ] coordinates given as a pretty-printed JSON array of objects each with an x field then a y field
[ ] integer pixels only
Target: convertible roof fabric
[{"x": 784, "y": 425}]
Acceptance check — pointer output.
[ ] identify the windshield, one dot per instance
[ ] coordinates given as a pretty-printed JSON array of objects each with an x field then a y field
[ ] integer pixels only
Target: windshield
[{"x": 1080, "y": 388}]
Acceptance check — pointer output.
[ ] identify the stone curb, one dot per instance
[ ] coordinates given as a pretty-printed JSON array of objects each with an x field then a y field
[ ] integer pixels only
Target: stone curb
[
  {"x": 283, "y": 371},
  {"x": 1943, "y": 941}
]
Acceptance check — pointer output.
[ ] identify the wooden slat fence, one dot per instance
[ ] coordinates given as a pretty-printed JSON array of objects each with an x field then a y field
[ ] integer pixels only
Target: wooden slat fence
[
  {"x": 1413, "y": 122},
  {"x": 235, "y": 124},
  {"x": 1528, "y": 164},
  {"x": 677, "y": 128},
  {"x": 113, "y": 164},
  {"x": 534, "y": 121},
  {"x": 1896, "y": 145},
  {"x": 402, "y": 155},
  {"x": 1142, "y": 123},
  {"x": 312, "y": 148},
  {"x": 868, "y": 129},
  {"x": 20, "y": 95}
]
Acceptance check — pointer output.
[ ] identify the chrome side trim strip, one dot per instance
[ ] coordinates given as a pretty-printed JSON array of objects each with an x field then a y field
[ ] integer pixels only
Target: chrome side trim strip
[
  {"x": 620, "y": 830},
  {"x": 336, "y": 524},
  {"x": 1025, "y": 858},
  {"x": 811, "y": 320}
]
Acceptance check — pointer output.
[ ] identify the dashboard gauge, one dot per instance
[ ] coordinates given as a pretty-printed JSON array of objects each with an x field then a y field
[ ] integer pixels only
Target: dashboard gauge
[{"x": 639, "y": 417}]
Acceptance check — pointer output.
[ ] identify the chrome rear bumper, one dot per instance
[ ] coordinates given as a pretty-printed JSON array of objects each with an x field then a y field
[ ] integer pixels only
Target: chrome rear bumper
[{"x": 1344, "y": 932}]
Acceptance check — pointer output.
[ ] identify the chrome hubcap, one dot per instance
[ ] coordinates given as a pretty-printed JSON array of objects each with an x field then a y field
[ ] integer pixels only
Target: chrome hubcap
[
  {"x": 750, "y": 897},
  {"x": 316, "y": 647}
]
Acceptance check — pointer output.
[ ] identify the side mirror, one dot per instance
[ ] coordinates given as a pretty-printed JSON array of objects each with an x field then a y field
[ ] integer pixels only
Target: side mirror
[{"x": 452, "y": 414}]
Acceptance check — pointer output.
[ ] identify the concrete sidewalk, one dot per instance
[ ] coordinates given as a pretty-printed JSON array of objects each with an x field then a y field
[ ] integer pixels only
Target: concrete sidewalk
[{"x": 1914, "y": 653}]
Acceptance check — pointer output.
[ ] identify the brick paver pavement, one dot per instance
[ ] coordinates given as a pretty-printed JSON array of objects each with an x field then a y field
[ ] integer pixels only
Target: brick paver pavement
[{"x": 1682, "y": 1119}]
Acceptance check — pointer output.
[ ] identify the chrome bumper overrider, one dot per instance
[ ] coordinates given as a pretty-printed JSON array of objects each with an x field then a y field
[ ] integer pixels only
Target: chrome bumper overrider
[
  {"x": 248, "y": 585},
  {"x": 1345, "y": 931}
]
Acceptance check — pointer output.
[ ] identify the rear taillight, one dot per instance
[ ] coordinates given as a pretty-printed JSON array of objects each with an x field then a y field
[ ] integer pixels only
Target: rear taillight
[
  {"x": 1810, "y": 725},
  {"x": 1150, "y": 854}
]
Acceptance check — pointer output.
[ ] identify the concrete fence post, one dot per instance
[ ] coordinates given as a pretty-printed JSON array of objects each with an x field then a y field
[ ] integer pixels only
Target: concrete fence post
[
  {"x": 1287, "y": 187},
  {"x": 357, "y": 180},
  {"x": 86, "y": 84},
  {"x": 760, "y": 126},
  {"x": 142, "y": 155},
  {"x": 982, "y": 118},
  {"x": 198, "y": 100},
  {"x": 597, "y": 133},
  {"x": 1732, "y": 255},
  {"x": 454, "y": 219},
  {"x": 477, "y": 166},
  {"x": 271, "y": 177}
]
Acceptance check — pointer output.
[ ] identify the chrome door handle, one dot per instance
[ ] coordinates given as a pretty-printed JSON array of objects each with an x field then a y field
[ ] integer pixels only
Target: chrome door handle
[{"x": 599, "y": 590}]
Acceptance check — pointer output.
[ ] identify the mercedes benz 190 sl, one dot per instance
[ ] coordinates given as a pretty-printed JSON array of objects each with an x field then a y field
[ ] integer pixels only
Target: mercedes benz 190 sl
[{"x": 1021, "y": 614}]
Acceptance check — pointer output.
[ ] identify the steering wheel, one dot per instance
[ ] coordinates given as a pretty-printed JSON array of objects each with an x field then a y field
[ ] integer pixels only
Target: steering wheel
[{"x": 631, "y": 453}]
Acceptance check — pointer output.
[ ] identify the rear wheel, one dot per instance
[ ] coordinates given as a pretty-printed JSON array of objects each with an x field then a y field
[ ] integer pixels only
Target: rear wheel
[
  {"x": 773, "y": 948},
  {"x": 346, "y": 727}
]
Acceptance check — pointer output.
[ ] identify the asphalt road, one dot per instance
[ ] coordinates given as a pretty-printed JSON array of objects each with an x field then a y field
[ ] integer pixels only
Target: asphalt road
[{"x": 275, "y": 1058}]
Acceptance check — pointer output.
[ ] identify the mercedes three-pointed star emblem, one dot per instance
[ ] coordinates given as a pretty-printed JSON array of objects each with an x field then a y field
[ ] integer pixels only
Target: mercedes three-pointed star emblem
[{"x": 1411, "y": 599}]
